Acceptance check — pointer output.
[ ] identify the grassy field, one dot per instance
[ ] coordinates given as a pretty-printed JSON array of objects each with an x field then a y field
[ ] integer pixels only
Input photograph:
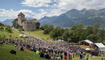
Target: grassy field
[
  {"x": 39, "y": 33},
  {"x": 91, "y": 58},
  {"x": 26, "y": 55},
  {"x": 7, "y": 34}
]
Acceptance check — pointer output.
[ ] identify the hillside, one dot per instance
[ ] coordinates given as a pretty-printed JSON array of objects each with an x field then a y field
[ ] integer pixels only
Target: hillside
[
  {"x": 72, "y": 17},
  {"x": 8, "y": 22},
  {"x": 26, "y": 55}
]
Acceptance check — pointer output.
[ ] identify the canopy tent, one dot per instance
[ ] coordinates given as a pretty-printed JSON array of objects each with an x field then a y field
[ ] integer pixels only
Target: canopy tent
[
  {"x": 88, "y": 41},
  {"x": 100, "y": 46}
]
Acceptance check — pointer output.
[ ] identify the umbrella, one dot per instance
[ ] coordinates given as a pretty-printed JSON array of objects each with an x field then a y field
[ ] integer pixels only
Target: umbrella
[
  {"x": 37, "y": 52},
  {"x": 87, "y": 49}
]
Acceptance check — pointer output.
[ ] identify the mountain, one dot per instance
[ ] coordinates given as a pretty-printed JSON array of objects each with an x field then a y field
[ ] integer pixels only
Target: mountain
[
  {"x": 74, "y": 16},
  {"x": 7, "y": 22}
]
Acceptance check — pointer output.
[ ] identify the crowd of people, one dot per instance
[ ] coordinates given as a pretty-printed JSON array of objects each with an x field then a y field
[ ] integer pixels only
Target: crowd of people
[{"x": 54, "y": 51}]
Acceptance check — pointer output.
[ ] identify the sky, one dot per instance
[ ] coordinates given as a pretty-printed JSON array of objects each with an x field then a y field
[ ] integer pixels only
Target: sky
[{"x": 9, "y": 9}]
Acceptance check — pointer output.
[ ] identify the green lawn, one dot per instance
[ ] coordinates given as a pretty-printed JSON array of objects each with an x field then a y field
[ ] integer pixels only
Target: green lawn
[
  {"x": 27, "y": 55},
  {"x": 91, "y": 58},
  {"x": 7, "y": 34},
  {"x": 21, "y": 55},
  {"x": 39, "y": 33}
]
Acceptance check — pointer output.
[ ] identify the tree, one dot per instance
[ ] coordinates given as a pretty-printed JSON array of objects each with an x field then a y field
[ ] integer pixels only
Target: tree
[
  {"x": 93, "y": 37},
  {"x": 8, "y": 28},
  {"x": 78, "y": 33},
  {"x": 89, "y": 30},
  {"x": 37, "y": 25},
  {"x": 77, "y": 26},
  {"x": 16, "y": 25},
  {"x": 102, "y": 34},
  {"x": 48, "y": 29},
  {"x": 2, "y": 37},
  {"x": 67, "y": 35},
  {"x": 1, "y": 24},
  {"x": 44, "y": 27},
  {"x": 57, "y": 33},
  {"x": 96, "y": 28}
]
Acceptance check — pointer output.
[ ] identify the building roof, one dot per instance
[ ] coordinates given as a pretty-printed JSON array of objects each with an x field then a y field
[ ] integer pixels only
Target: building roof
[
  {"x": 100, "y": 45},
  {"x": 88, "y": 41},
  {"x": 20, "y": 14}
]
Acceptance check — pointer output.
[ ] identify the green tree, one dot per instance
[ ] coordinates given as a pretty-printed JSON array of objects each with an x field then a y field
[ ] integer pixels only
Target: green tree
[
  {"x": 78, "y": 33},
  {"x": 8, "y": 28},
  {"x": 16, "y": 25},
  {"x": 48, "y": 29},
  {"x": 102, "y": 35},
  {"x": 95, "y": 28},
  {"x": 2, "y": 37},
  {"x": 1, "y": 24},
  {"x": 57, "y": 33},
  {"x": 44, "y": 26},
  {"x": 93, "y": 37},
  {"x": 37, "y": 25}
]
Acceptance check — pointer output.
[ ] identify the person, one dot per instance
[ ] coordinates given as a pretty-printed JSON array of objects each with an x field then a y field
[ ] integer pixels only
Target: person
[
  {"x": 22, "y": 49},
  {"x": 102, "y": 59},
  {"x": 37, "y": 52},
  {"x": 81, "y": 56},
  {"x": 87, "y": 58},
  {"x": 58, "y": 57},
  {"x": 41, "y": 54},
  {"x": 70, "y": 56},
  {"x": 61, "y": 55},
  {"x": 65, "y": 55}
]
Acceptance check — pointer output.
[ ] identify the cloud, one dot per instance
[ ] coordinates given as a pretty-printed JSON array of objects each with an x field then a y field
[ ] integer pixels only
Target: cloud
[
  {"x": 36, "y": 3},
  {"x": 57, "y": 7},
  {"x": 65, "y": 4},
  {"x": 12, "y": 14}
]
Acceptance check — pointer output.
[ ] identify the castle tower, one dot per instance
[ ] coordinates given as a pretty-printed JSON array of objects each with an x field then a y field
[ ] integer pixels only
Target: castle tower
[{"x": 21, "y": 18}]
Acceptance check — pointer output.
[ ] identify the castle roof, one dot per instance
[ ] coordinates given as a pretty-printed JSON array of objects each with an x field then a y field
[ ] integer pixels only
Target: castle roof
[{"x": 20, "y": 14}]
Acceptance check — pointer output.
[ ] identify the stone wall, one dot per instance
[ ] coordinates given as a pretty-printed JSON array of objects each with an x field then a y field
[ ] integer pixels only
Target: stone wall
[{"x": 29, "y": 26}]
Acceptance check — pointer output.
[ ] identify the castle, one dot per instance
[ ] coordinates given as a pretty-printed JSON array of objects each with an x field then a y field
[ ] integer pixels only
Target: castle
[{"x": 28, "y": 25}]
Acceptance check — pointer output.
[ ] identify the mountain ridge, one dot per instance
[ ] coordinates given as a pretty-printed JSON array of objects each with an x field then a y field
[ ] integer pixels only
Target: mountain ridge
[
  {"x": 70, "y": 18},
  {"x": 74, "y": 16}
]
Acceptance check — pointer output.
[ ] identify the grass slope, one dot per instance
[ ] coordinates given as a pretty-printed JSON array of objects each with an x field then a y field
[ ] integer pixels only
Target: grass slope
[
  {"x": 26, "y": 55},
  {"x": 7, "y": 34},
  {"x": 39, "y": 33}
]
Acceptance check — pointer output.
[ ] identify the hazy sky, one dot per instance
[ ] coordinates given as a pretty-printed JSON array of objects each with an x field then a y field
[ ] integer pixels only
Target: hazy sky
[{"x": 40, "y": 8}]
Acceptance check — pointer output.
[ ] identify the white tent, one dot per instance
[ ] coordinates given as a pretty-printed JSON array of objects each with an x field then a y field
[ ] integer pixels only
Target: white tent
[
  {"x": 87, "y": 49},
  {"x": 100, "y": 46},
  {"x": 88, "y": 41}
]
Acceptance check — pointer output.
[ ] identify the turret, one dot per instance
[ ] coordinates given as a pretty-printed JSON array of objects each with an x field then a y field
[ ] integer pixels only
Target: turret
[{"x": 21, "y": 18}]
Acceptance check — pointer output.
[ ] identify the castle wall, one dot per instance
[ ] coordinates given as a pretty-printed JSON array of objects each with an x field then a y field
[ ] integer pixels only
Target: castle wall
[{"x": 29, "y": 26}]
